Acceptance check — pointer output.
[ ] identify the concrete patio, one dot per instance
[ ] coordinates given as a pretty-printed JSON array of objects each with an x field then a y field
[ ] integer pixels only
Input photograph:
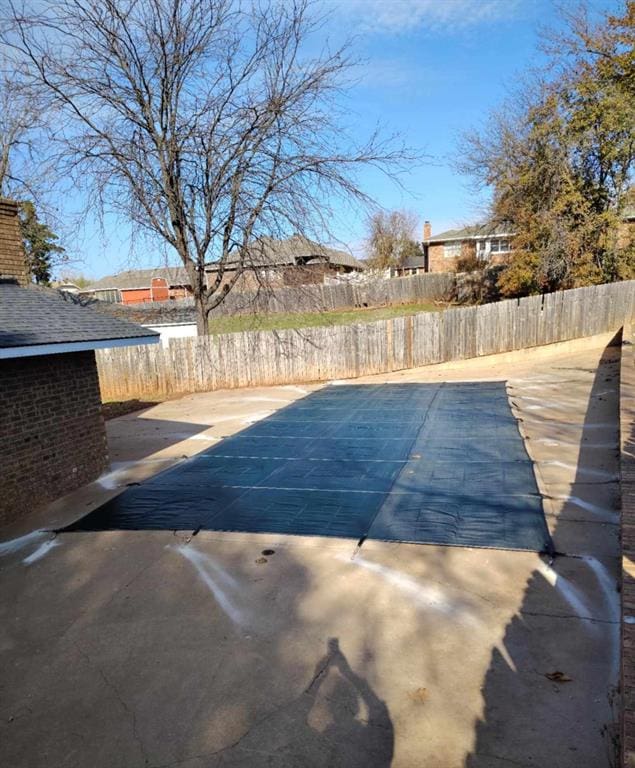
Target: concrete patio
[{"x": 156, "y": 649}]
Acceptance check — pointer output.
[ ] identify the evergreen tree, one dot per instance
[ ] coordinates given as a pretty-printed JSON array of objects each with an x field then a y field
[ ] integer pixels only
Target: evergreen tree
[{"x": 40, "y": 244}]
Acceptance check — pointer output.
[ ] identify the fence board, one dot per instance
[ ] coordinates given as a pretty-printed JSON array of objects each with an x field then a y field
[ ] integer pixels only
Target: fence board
[{"x": 260, "y": 358}]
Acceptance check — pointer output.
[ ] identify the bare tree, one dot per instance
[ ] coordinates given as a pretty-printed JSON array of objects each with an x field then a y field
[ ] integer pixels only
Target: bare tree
[
  {"x": 391, "y": 238},
  {"x": 23, "y": 118},
  {"x": 201, "y": 121}
]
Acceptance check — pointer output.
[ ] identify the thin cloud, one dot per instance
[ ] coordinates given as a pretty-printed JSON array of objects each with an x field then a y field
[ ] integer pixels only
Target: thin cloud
[{"x": 399, "y": 16}]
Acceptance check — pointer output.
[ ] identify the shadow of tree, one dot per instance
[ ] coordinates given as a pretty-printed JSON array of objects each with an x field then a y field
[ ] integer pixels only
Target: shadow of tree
[{"x": 555, "y": 692}]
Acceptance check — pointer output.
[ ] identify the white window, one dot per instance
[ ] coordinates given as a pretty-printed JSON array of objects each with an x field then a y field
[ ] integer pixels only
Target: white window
[
  {"x": 500, "y": 245},
  {"x": 452, "y": 250},
  {"x": 484, "y": 248}
]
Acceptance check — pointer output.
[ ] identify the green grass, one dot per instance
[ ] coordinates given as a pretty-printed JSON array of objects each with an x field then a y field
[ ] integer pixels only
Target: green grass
[{"x": 286, "y": 320}]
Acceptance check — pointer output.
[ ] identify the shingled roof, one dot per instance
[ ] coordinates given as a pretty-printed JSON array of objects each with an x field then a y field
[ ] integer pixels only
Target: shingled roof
[
  {"x": 139, "y": 278},
  {"x": 413, "y": 262},
  {"x": 475, "y": 232},
  {"x": 294, "y": 251},
  {"x": 39, "y": 321}
]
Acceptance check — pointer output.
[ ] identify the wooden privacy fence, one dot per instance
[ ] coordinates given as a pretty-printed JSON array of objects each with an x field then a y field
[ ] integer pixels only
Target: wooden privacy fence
[
  {"x": 334, "y": 296},
  {"x": 258, "y": 358},
  {"x": 370, "y": 292}
]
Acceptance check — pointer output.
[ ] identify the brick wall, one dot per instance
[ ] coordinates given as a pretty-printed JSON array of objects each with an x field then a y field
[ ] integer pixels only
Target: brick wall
[
  {"x": 53, "y": 435},
  {"x": 438, "y": 262},
  {"x": 12, "y": 260}
]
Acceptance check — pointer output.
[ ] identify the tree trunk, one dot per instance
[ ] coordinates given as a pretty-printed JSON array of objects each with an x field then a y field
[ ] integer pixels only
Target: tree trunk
[{"x": 202, "y": 322}]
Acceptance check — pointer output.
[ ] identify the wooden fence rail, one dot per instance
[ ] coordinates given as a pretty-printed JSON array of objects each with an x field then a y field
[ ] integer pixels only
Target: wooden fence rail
[
  {"x": 334, "y": 296},
  {"x": 370, "y": 292},
  {"x": 260, "y": 358}
]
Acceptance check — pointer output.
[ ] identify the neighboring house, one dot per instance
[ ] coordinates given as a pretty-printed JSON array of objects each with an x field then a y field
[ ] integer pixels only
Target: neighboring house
[
  {"x": 413, "y": 265},
  {"x": 169, "y": 331},
  {"x": 67, "y": 287},
  {"x": 138, "y": 286},
  {"x": 626, "y": 233},
  {"x": 489, "y": 242},
  {"x": 294, "y": 261},
  {"x": 53, "y": 434}
]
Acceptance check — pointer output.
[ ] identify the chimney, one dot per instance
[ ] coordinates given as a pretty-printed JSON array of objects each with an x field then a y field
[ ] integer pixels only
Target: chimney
[
  {"x": 427, "y": 230},
  {"x": 12, "y": 258}
]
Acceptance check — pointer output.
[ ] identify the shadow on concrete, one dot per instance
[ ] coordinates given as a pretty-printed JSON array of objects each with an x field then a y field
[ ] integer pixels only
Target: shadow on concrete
[
  {"x": 551, "y": 690},
  {"x": 345, "y": 724},
  {"x": 144, "y": 436},
  {"x": 628, "y": 581},
  {"x": 113, "y": 409},
  {"x": 155, "y": 654}
]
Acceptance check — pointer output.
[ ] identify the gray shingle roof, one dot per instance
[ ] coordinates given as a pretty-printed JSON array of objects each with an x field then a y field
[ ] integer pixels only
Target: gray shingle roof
[
  {"x": 412, "y": 262},
  {"x": 476, "y": 231},
  {"x": 296, "y": 250},
  {"x": 139, "y": 278},
  {"x": 36, "y": 316}
]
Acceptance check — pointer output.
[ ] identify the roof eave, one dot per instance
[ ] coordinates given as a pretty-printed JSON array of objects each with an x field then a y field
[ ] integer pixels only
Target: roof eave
[
  {"x": 437, "y": 240},
  {"x": 133, "y": 288},
  {"x": 56, "y": 348}
]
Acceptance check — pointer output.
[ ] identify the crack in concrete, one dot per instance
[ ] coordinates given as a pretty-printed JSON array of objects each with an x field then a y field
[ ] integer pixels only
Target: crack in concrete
[
  {"x": 562, "y": 519},
  {"x": 320, "y": 671},
  {"x": 575, "y": 616},
  {"x": 490, "y": 755},
  {"x": 129, "y": 711},
  {"x": 459, "y": 588},
  {"x": 234, "y": 744},
  {"x": 137, "y": 575}
]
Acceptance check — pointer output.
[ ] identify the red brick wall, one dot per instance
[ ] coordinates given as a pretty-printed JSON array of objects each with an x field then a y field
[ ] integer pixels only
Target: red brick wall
[
  {"x": 159, "y": 289},
  {"x": 53, "y": 435},
  {"x": 439, "y": 263},
  {"x": 12, "y": 259},
  {"x": 135, "y": 295}
]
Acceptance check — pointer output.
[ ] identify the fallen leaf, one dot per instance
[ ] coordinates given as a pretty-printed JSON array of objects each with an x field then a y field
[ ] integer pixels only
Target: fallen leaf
[{"x": 418, "y": 695}]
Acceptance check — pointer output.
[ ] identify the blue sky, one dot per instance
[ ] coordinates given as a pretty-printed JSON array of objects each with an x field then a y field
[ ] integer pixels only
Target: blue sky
[{"x": 433, "y": 68}]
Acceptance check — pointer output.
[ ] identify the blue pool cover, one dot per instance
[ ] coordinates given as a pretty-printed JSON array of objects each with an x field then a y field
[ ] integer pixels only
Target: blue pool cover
[{"x": 429, "y": 463}]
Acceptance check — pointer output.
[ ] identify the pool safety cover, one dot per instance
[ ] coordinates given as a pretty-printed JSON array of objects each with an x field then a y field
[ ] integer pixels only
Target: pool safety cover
[{"x": 429, "y": 463}]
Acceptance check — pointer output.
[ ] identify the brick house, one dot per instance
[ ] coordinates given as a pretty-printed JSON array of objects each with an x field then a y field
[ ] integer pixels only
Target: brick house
[
  {"x": 412, "y": 265},
  {"x": 626, "y": 232},
  {"x": 138, "y": 286},
  {"x": 53, "y": 434},
  {"x": 489, "y": 242},
  {"x": 294, "y": 261}
]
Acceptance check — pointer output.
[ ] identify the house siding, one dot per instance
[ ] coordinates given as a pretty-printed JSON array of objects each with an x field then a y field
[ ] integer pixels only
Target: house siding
[{"x": 54, "y": 439}]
